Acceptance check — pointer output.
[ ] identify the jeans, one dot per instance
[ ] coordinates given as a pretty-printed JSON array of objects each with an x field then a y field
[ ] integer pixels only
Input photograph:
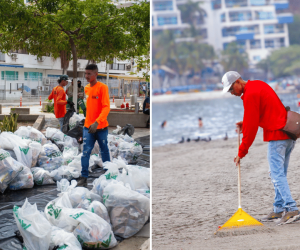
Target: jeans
[
  {"x": 61, "y": 122},
  {"x": 88, "y": 145},
  {"x": 279, "y": 156}
]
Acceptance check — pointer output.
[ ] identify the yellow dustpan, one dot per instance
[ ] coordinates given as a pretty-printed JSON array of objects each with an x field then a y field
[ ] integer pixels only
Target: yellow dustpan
[{"x": 240, "y": 218}]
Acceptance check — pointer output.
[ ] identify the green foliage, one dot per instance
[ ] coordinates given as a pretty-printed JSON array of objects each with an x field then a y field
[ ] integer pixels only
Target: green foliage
[
  {"x": 9, "y": 123},
  {"x": 283, "y": 62},
  {"x": 181, "y": 56},
  {"x": 294, "y": 31},
  {"x": 234, "y": 58},
  {"x": 98, "y": 30}
]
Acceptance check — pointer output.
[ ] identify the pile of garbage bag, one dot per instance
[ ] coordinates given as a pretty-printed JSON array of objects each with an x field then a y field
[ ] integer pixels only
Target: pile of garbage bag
[{"x": 118, "y": 204}]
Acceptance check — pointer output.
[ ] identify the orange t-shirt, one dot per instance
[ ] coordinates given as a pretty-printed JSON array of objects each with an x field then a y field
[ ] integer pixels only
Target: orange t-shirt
[
  {"x": 97, "y": 105},
  {"x": 59, "y": 95}
]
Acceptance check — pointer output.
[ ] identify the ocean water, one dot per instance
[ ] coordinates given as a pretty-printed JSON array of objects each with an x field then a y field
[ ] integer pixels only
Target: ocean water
[{"x": 218, "y": 115}]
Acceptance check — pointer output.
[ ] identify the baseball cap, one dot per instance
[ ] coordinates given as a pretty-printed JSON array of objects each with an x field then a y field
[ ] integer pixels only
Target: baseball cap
[
  {"x": 64, "y": 77},
  {"x": 228, "y": 79}
]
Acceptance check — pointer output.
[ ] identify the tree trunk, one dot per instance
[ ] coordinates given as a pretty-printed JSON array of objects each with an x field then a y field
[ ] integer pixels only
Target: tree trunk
[
  {"x": 64, "y": 61},
  {"x": 75, "y": 87}
]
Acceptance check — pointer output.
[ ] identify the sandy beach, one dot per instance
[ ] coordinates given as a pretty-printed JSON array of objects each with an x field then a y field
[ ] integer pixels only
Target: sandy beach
[{"x": 195, "y": 191}]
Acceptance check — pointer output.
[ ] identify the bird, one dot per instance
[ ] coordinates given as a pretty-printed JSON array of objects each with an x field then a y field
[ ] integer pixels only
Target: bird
[
  {"x": 182, "y": 140},
  {"x": 198, "y": 139},
  {"x": 188, "y": 139},
  {"x": 226, "y": 137}
]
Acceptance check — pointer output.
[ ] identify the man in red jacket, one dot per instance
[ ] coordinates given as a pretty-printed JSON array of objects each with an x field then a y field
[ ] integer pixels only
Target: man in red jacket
[{"x": 263, "y": 108}]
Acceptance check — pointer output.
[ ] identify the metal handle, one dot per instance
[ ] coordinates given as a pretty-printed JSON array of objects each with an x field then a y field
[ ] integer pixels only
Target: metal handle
[{"x": 239, "y": 172}]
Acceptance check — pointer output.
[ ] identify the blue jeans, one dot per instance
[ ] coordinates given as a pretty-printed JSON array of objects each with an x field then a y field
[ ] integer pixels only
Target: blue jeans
[
  {"x": 279, "y": 156},
  {"x": 88, "y": 145},
  {"x": 61, "y": 122}
]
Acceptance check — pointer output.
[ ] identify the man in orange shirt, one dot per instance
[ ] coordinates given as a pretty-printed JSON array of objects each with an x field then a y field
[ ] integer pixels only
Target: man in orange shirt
[
  {"x": 96, "y": 125},
  {"x": 59, "y": 96}
]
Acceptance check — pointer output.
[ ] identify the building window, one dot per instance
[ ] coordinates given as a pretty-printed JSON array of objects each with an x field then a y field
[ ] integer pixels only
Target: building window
[
  {"x": 256, "y": 58},
  {"x": 117, "y": 66},
  {"x": 259, "y": 2},
  {"x": 240, "y": 16},
  {"x": 33, "y": 76},
  {"x": 236, "y": 3},
  {"x": 223, "y": 18},
  {"x": 281, "y": 42},
  {"x": 269, "y": 44},
  {"x": 166, "y": 20},
  {"x": 263, "y": 15},
  {"x": 166, "y": 5},
  {"x": 216, "y": 4},
  {"x": 232, "y": 31},
  {"x": 255, "y": 44},
  {"x": 274, "y": 28},
  {"x": 203, "y": 33},
  {"x": 10, "y": 75}
]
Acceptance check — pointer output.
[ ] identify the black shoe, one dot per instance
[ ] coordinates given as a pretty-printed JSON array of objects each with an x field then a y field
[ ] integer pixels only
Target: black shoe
[{"x": 82, "y": 181}]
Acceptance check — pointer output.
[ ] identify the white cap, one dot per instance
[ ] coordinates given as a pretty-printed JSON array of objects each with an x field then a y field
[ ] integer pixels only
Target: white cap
[{"x": 228, "y": 79}]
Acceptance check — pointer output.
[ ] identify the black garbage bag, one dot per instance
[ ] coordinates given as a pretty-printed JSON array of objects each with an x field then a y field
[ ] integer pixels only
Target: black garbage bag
[
  {"x": 67, "y": 117},
  {"x": 127, "y": 129},
  {"x": 77, "y": 131}
]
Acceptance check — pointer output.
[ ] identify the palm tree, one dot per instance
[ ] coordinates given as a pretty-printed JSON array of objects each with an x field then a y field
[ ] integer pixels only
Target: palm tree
[{"x": 234, "y": 58}]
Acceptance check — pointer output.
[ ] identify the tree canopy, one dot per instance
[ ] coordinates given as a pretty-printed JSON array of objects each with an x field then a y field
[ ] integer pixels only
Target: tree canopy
[
  {"x": 283, "y": 62},
  {"x": 98, "y": 30}
]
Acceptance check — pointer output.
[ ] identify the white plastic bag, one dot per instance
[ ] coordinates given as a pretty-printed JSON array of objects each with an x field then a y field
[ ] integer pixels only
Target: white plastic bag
[
  {"x": 9, "y": 169},
  {"x": 41, "y": 176},
  {"x": 36, "y": 149},
  {"x": 24, "y": 155},
  {"x": 74, "y": 119},
  {"x": 23, "y": 180},
  {"x": 93, "y": 231},
  {"x": 68, "y": 154},
  {"x": 33, "y": 226},
  {"x": 128, "y": 210},
  {"x": 63, "y": 239},
  {"x": 8, "y": 140},
  {"x": 117, "y": 130},
  {"x": 55, "y": 134},
  {"x": 31, "y": 133},
  {"x": 60, "y": 173},
  {"x": 98, "y": 208}
]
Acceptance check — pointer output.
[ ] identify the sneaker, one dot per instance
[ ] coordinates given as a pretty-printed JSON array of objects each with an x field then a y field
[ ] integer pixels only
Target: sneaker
[
  {"x": 272, "y": 215},
  {"x": 287, "y": 215},
  {"x": 82, "y": 181}
]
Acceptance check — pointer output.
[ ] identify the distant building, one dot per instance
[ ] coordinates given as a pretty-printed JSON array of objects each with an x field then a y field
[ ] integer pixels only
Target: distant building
[
  {"x": 165, "y": 16},
  {"x": 259, "y": 26}
]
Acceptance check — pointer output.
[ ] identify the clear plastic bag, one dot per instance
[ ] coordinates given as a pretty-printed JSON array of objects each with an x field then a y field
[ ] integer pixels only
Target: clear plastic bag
[
  {"x": 69, "y": 154},
  {"x": 41, "y": 176},
  {"x": 23, "y": 180},
  {"x": 98, "y": 208},
  {"x": 55, "y": 134},
  {"x": 128, "y": 209},
  {"x": 36, "y": 149},
  {"x": 93, "y": 231},
  {"x": 50, "y": 157},
  {"x": 9, "y": 169},
  {"x": 74, "y": 119},
  {"x": 63, "y": 239},
  {"x": 33, "y": 226},
  {"x": 30, "y": 133}
]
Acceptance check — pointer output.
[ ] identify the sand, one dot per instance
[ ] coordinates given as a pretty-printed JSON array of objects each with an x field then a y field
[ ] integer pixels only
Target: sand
[{"x": 195, "y": 191}]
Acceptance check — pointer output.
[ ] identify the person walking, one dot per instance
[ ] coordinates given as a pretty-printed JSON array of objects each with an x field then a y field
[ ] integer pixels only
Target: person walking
[
  {"x": 96, "y": 125},
  {"x": 146, "y": 108},
  {"x": 263, "y": 108},
  {"x": 80, "y": 96},
  {"x": 59, "y": 96}
]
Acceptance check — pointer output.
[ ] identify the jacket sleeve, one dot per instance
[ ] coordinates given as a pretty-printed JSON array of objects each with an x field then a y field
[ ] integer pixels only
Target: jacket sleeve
[
  {"x": 50, "y": 97},
  {"x": 60, "y": 96},
  {"x": 105, "y": 105},
  {"x": 250, "y": 122}
]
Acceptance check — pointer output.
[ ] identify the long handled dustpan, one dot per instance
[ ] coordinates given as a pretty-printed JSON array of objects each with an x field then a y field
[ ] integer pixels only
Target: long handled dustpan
[{"x": 240, "y": 218}]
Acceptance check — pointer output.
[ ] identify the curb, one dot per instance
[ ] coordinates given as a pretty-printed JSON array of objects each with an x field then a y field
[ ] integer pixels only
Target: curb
[{"x": 39, "y": 123}]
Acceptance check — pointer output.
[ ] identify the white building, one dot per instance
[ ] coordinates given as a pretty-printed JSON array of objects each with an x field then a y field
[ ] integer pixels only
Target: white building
[
  {"x": 165, "y": 15},
  {"x": 259, "y": 26}
]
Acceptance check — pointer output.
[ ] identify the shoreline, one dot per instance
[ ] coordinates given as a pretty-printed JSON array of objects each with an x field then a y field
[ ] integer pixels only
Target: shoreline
[{"x": 194, "y": 96}]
